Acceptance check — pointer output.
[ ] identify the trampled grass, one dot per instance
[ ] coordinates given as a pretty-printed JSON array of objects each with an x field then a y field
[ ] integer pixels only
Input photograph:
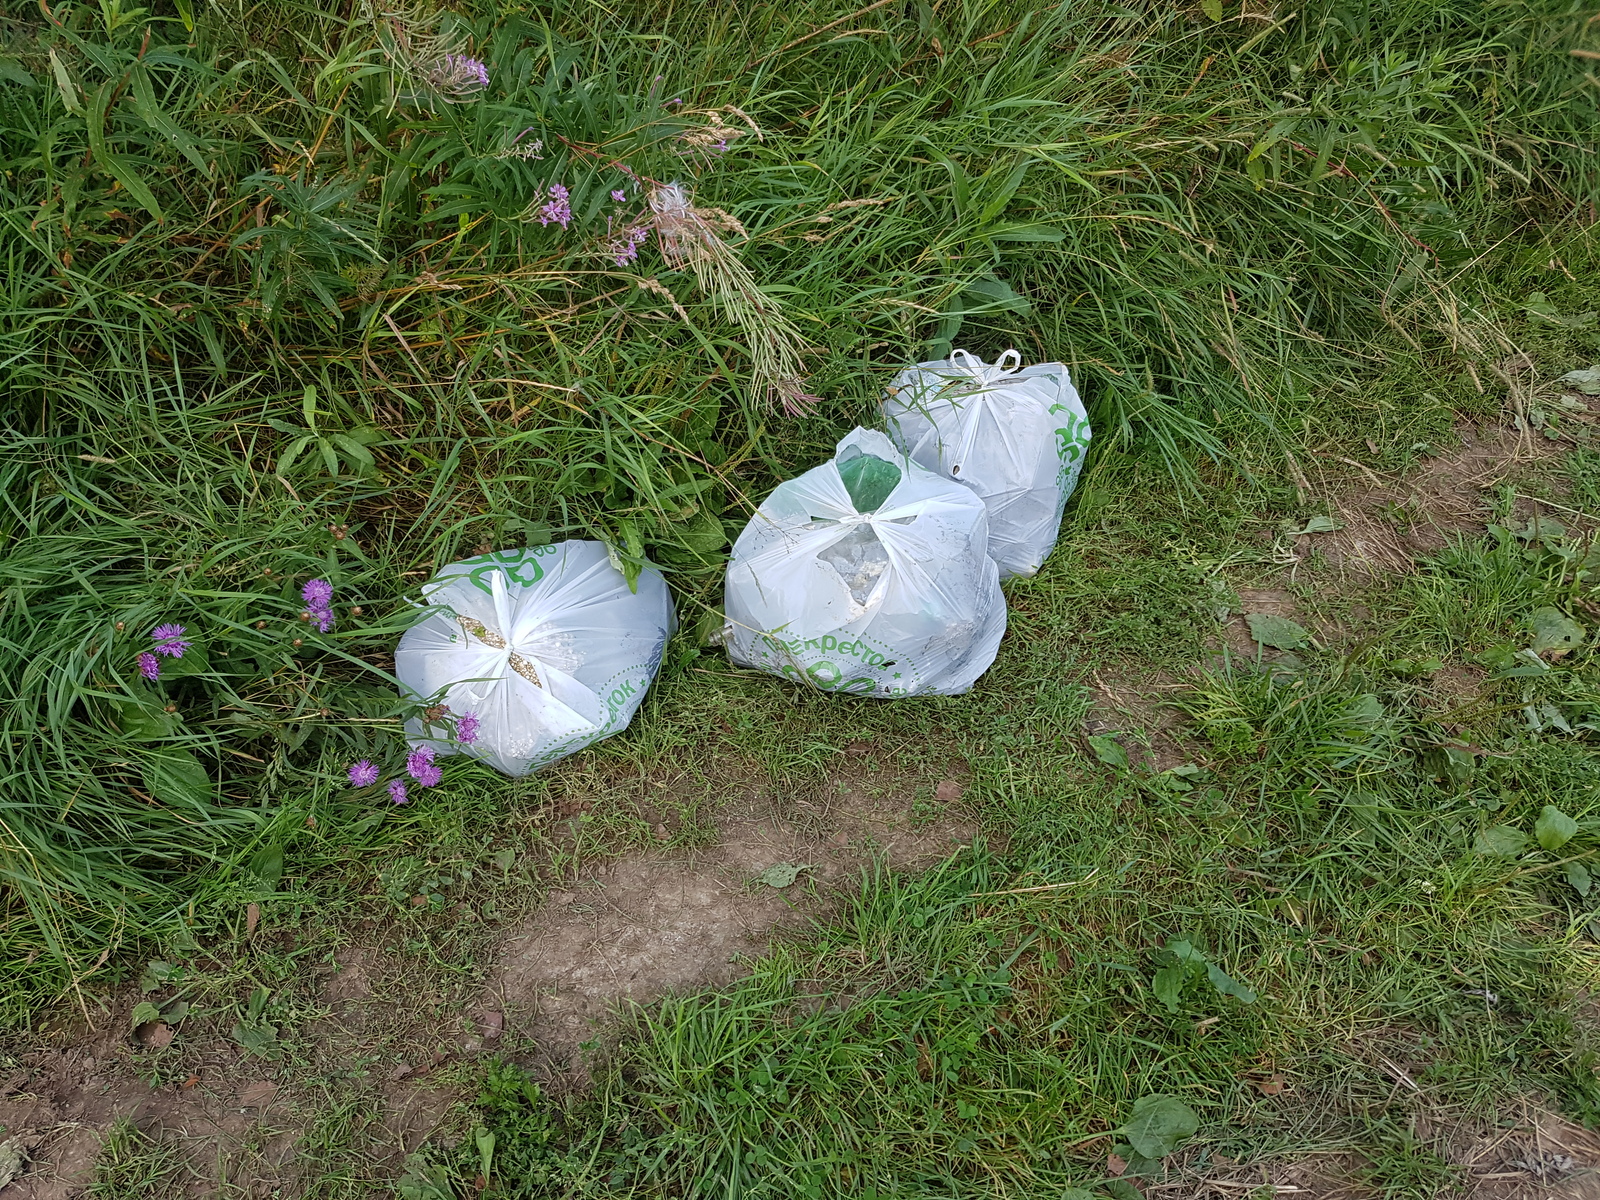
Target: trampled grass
[{"x": 279, "y": 305}]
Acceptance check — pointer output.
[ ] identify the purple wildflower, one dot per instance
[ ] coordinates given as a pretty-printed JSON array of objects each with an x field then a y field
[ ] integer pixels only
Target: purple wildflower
[
  {"x": 397, "y": 791},
  {"x": 619, "y": 196},
  {"x": 467, "y": 728},
  {"x": 149, "y": 666},
  {"x": 623, "y": 251},
  {"x": 318, "y": 595},
  {"x": 363, "y": 774},
  {"x": 419, "y": 765},
  {"x": 169, "y": 640},
  {"x": 459, "y": 76},
  {"x": 558, "y": 210}
]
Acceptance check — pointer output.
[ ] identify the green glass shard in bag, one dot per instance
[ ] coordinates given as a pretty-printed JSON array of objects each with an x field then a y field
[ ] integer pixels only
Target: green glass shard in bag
[{"x": 869, "y": 480}]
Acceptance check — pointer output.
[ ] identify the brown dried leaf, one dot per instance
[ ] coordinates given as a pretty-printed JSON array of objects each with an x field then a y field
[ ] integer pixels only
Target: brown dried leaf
[
  {"x": 1271, "y": 1085},
  {"x": 948, "y": 791},
  {"x": 1115, "y": 1164},
  {"x": 252, "y": 918}
]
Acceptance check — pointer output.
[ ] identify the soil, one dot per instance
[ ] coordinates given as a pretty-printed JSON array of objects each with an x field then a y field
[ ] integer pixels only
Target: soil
[{"x": 676, "y": 921}]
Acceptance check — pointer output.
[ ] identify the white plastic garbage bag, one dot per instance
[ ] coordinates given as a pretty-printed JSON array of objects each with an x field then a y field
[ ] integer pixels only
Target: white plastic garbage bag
[
  {"x": 546, "y": 646},
  {"x": 1016, "y": 435},
  {"x": 885, "y": 592}
]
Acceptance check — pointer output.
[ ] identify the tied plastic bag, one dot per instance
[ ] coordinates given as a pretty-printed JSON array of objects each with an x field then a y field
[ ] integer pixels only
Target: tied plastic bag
[
  {"x": 869, "y": 576},
  {"x": 1016, "y": 435},
  {"x": 546, "y": 646}
]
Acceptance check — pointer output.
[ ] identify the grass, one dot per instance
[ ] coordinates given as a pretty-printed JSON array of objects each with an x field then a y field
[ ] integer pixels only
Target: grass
[{"x": 274, "y": 310}]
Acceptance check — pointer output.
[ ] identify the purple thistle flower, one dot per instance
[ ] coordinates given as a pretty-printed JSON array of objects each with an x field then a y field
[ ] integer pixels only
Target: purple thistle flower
[
  {"x": 397, "y": 791},
  {"x": 429, "y": 776},
  {"x": 557, "y": 210},
  {"x": 419, "y": 760},
  {"x": 619, "y": 196},
  {"x": 322, "y": 618},
  {"x": 363, "y": 774},
  {"x": 317, "y": 593},
  {"x": 467, "y": 728},
  {"x": 149, "y": 666},
  {"x": 169, "y": 640}
]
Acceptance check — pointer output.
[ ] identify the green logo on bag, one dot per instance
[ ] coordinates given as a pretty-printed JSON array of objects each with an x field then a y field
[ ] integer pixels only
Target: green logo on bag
[
  {"x": 834, "y": 674},
  {"x": 1072, "y": 439},
  {"x": 517, "y": 565}
]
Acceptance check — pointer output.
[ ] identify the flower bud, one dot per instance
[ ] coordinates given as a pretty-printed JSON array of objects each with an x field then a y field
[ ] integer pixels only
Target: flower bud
[{"x": 297, "y": 642}]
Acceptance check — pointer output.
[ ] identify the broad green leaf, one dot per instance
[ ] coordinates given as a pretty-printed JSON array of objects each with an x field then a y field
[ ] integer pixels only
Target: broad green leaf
[
  {"x": 143, "y": 1013},
  {"x": 1212, "y": 9},
  {"x": 144, "y": 722},
  {"x": 1587, "y": 382},
  {"x": 155, "y": 975},
  {"x": 257, "y": 1039},
  {"x": 1108, "y": 750},
  {"x": 195, "y": 661},
  {"x": 1228, "y": 985},
  {"x": 286, "y": 459},
  {"x": 1168, "y": 985},
  {"x": 1278, "y": 632},
  {"x": 12, "y": 71},
  {"x": 1159, "y": 1125},
  {"x": 1554, "y": 829},
  {"x": 365, "y": 463},
  {"x": 1501, "y": 841},
  {"x": 996, "y": 203},
  {"x": 1365, "y": 709},
  {"x": 178, "y": 778},
  {"x": 1318, "y": 524},
  {"x": 781, "y": 875},
  {"x": 1554, "y": 630},
  {"x": 266, "y": 865},
  {"x": 1578, "y": 877},
  {"x": 993, "y": 293}
]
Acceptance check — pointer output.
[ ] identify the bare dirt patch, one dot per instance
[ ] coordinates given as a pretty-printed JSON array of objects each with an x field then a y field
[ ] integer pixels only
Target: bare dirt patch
[
  {"x": 1388, "y": 521},
  {"x": 1139, "y": 704},
  {"x": 679, "y": 920}
]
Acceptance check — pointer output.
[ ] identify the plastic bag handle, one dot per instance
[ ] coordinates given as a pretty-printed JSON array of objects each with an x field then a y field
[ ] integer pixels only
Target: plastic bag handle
[{"x": 1006, "y": 365}]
